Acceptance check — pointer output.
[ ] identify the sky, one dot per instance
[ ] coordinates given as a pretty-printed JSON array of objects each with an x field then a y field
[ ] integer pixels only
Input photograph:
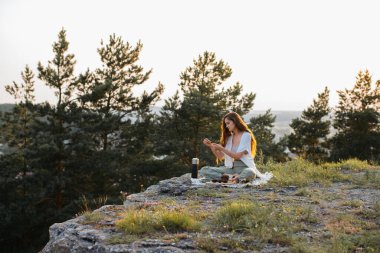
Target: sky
[{"x": 284, "y": 51}]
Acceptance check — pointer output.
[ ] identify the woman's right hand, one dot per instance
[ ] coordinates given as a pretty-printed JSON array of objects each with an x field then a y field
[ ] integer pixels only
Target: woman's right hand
[
  {"x": 217, "y": 146},
  {"x": 207, "y": 142},
  {"x": 213, "y": 147}
]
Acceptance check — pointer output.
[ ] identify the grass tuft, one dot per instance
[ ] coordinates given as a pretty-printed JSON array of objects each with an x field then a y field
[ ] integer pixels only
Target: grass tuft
[
  {"x": 157, "y": 219},
  {"x": 205, "y": 192},
  {"x": 304, "y": 192},
  {"x": 354, "y": 165},
  {"x": 266, "y": 223},
  {"x": 137, "y": 222},
  {"x": 355, "y": 203},
  {"x": 234, "y": 216},
  {"x": 348, "y": 224},
  {"x": 177, "y": 221},
  {"x": 370, "y": 179},
  {"x": 92, "y": 217},
  {"x": 372, "y": 213}
]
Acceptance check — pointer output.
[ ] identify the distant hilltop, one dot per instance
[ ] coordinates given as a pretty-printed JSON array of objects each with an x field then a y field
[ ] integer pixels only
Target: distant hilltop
[
  {"x": 281, "y": 125},
  {"x": 6, "y": 107}
]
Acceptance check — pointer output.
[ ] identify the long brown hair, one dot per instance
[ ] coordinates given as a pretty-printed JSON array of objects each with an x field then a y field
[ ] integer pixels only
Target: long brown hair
[{"x": 241, "y": 125}]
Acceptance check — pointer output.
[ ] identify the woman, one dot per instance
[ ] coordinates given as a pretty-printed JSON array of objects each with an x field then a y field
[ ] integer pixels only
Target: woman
[{"x": 237, "y": 148}]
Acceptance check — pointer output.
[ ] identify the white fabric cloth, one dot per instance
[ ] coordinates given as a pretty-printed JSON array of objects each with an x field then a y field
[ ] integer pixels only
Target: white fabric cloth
[
  {"x": 247, "y": 159},
  {"x": 245, "y": 144},
  {"x": 198, "y": 182}
]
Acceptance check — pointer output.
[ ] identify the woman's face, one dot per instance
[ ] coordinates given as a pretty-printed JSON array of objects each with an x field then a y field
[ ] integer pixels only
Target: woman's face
[{"x": 229, "y": 124}]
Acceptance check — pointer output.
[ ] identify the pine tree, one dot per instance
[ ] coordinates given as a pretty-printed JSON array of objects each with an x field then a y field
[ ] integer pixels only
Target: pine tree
[
  {"x": 17, "y": 126},
  {"x": 357, "y": 121},
  {"x": 53, "y": 134},
  {"x": 262, "y": 127},
  {"x": 20, "y": 186},
  {"x": 118, "y": 121},
  {"x": 66, "y": 152},
  {"x": 59, "y": 74},
  {"x": 185, "y": 123},
  {"x": 311, "y": 130},
  {"x": 112, "y": 86}
]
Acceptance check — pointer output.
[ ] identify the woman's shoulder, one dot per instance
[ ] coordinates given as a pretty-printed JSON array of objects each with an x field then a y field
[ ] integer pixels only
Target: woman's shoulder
[
  {"x": 246, "y": 133},
  {"x": 246, "y": 136}
]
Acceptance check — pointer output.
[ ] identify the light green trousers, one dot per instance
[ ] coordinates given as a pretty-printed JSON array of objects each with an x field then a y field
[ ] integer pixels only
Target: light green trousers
[{"x": 239, "y": 167}]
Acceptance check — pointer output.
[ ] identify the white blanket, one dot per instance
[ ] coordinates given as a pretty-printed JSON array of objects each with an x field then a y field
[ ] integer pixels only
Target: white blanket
[{"x": 258, "y": 181}]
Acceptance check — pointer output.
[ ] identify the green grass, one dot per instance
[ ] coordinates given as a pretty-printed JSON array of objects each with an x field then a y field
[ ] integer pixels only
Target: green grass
[
  {"x": 349, "y": 224},
  {"x": 249, "y": 222},
  {"x": 372, "y": 213},
  {"x": 137, "y": 222},
  {"x": 266, "y": 223},
  {"x": 122, "y": 239},
  {"x": 367, "y": 241},
  {"x": 370, "y": 179},
  {"x": 350, "y": 164},
  {"x": 92, "y": 217},
  {"x": 304, "y": 192},
  {"x": 177, "y": 221},
  {"x": 355, "y": 203},
  {"x": 234, "y": 216},
  {"x": 168, "y": 201},
  {"x": 302, "y": 173},
  {"x": 353, "y": 165},
  {"x": 205, "y": 192},
  {"x": 225, "y": 244},
  {"x": 87, "y": 205},
  {"x": 306, "y": 214},
  {"x": 306, "y": 247},
  {"x": 332, "y": 196},
  {"x": 157, "y": 219}
]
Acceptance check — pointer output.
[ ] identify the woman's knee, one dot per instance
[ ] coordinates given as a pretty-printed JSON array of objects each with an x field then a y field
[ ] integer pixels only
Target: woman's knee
[
  {"x": 209, "y": 172},
  {"x": 247, "y": 174},
  {"x": 205, "y": 170}
]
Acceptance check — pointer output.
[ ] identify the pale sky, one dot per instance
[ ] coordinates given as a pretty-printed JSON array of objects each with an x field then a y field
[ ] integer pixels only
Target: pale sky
[{"x": 285, "y": 51}]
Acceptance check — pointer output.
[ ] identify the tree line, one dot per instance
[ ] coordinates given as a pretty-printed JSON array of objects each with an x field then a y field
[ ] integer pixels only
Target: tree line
[{"x": 100, "y": 139}]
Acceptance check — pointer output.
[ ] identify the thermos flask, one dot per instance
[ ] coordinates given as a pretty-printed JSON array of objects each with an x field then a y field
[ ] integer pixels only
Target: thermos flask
[{"x": 194, "y": 167}]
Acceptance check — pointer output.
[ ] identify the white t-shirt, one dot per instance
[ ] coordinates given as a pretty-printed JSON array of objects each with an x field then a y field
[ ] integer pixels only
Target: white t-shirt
[{"x": 247, "y": 159}]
